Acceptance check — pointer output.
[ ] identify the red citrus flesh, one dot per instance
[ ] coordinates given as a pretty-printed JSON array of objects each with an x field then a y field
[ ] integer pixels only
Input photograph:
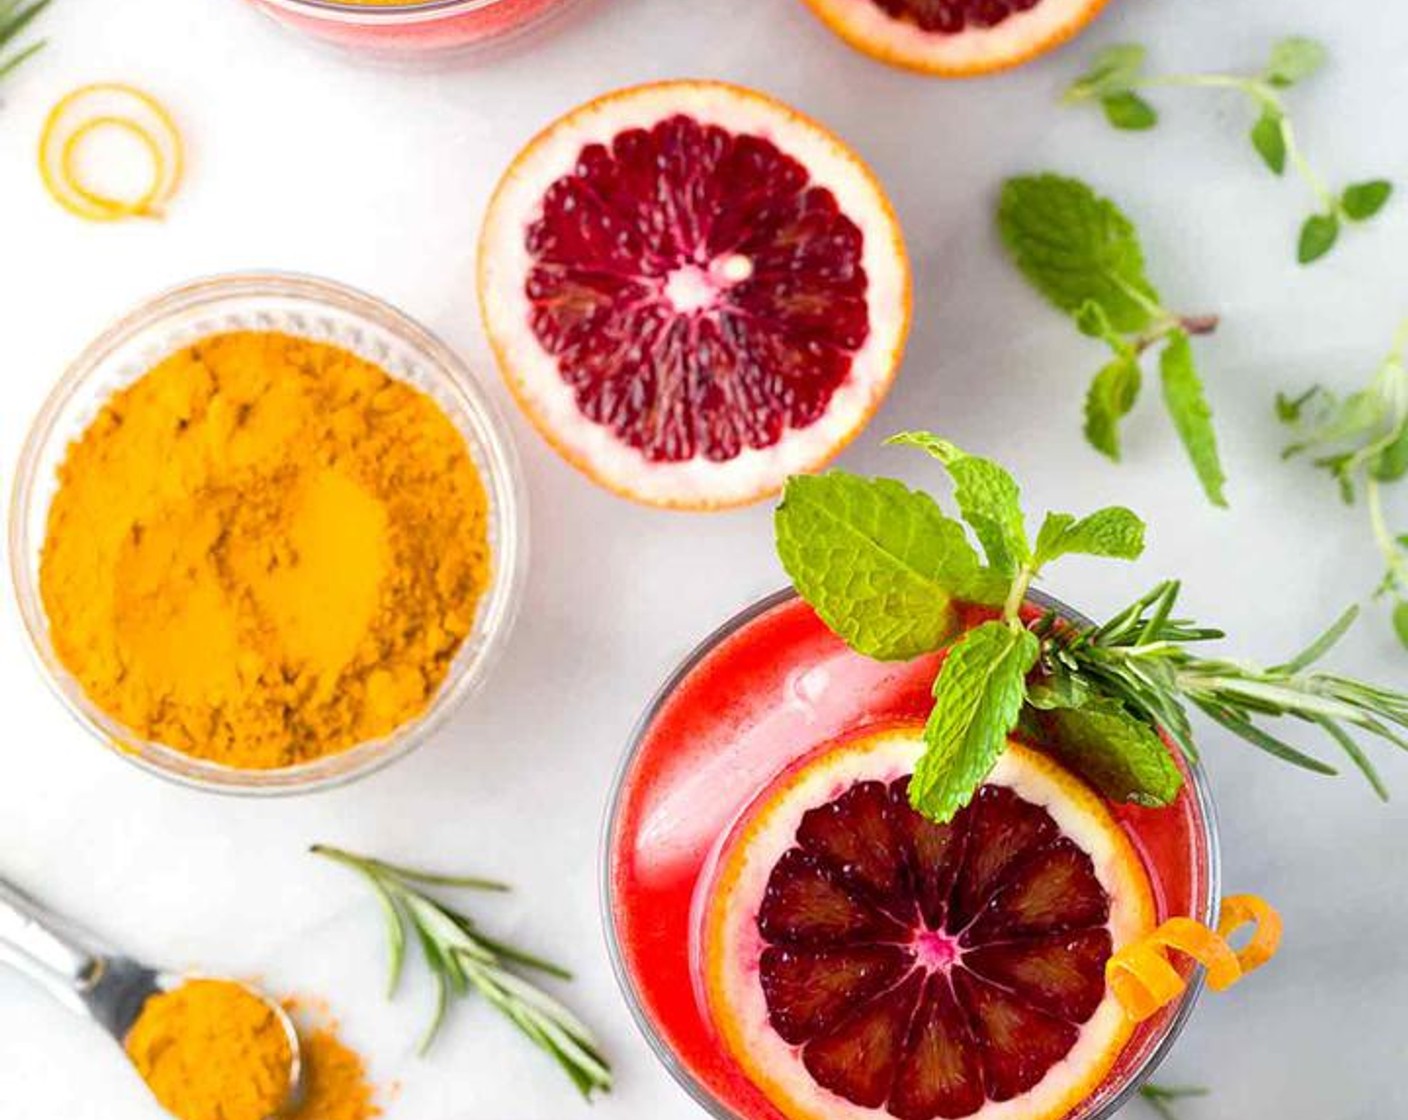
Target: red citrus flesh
[
  {"x": 700, "y": 294},
  {"x": 693, "y": 291},
  {"x": 921, "y": 969},
  {"x": 956, "y": 38},
  {"x": 998, "y": 928},
  {"x": 952, "y": 16}
]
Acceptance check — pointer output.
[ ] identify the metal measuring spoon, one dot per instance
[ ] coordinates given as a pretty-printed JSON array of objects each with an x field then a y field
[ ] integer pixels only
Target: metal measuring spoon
[{"x": 110, "y": 989}]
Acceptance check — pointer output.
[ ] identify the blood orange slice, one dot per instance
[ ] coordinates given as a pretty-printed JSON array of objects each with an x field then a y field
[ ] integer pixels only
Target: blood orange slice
[
  {"x": 956, "y": 38},
  {"x": 693, "y": 291},
  {"x": 860, "y": 960}
]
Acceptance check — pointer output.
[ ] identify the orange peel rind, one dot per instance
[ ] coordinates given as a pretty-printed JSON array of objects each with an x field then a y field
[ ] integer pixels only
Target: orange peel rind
[
  {"x": 102, "y": 106},
  {"x": 1239, "y": 910},
  {"x": 1145, "y": 980}
]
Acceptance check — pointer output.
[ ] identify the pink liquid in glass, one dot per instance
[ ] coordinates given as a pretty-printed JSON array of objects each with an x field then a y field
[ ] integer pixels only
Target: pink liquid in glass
[
  {"x": 429, "y": 30},
  {"x": 772, "y": 687}
]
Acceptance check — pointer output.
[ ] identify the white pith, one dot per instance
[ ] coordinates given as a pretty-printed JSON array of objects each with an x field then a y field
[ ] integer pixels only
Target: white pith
[
  {"x": 733, "y": 946},
  {"x": 975, "y": 49},
  {"x": 532, "y": 372}
]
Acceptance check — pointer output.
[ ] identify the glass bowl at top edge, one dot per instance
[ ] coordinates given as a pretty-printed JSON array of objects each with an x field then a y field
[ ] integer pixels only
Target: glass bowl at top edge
[
  {"x": 417, "y": 31},
  {"x": 327, "y": 312},
  {"x": 1112, "y": 1096}
]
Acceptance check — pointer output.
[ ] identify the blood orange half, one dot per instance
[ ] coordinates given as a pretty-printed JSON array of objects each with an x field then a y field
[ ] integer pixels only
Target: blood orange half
[
  {"x": 694, "y": 292},
  {"x": 861, "y": 961},
  {"x": 956, "y": 38}
]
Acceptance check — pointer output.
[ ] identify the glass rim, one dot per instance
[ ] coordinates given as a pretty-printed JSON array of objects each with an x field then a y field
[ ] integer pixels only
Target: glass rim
[
  {"x": 502, "y": 478},
  {"x": 406, "y": 11},
  {"x": 665, "y": 1054}
]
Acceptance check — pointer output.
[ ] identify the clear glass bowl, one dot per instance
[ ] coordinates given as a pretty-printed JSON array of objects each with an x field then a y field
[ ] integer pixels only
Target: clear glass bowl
[
  {"x": 311, "y": 308},
  {"x": 700, "y": 755},
  {"x": 431, "y": 30}
]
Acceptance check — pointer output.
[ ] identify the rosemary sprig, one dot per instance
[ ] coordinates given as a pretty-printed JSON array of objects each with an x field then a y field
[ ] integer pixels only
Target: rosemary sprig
[
  {"x": 1161, "y": 1099},
  {"x": 15, "y": 16},
  {"x": 463, "y": 959},
  {"x": 1142, "y": 659}
]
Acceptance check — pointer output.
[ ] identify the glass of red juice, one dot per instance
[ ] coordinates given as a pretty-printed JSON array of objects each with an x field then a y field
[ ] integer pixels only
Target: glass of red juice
[
  {"x": 430, "y": 30},
  {"x": 768, "y": 688}
]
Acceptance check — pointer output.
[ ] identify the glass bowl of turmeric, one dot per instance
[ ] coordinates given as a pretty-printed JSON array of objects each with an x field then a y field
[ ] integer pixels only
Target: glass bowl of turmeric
[
  {"x": 410, "y": 31},
  {"x": 266, "y": 534}
]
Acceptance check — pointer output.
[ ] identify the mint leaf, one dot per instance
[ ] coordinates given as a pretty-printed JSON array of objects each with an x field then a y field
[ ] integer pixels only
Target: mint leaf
[
  {"x": 1111, "y": 397},
  {"x": 1120, "y": 755},
  {"x": 1129, "y": 112},
  {"x": 977, "y": 702},
  {"x": 987, "y": 497},
  {"x": 1113, "y": 70},
  {"x": 1113, "y": 532},
  {"x": 1363, "y": 201},
  {"x": 1269, "y": 139},
  {"x": 1192, "y": 415},
  {"x": 880, "y": 563},
  {"x": 1317, "y": 237},
  {"x": 1074, "y": 246},
  {"x": 1293, "y": 60}
]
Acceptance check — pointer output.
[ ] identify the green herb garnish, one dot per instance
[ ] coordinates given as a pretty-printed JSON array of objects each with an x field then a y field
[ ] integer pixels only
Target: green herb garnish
[
  {"x": 1083, "y": 254},
  {"x": 1117, "y": 74},
  {"x": 463, "y": 960},
  {"x": 15, "y": 16},
  {"x": 1162, "y": 1099},
  {"x": 1362, "y": 441},
  {"x": 884, "y": 566}
]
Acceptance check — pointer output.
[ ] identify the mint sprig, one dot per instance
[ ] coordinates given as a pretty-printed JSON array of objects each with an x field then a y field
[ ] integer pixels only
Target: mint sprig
[
  {"x": 1361, "y": 441},
  {"x": 1105, "y": 698},
  {"x": 1117, "y": 75},
  {"x": 1084, "y": 255},
  {"x": 857, "y": 550}
]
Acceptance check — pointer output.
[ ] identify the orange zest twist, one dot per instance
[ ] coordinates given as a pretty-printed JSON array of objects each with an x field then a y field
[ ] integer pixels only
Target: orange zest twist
[
  {"x": 1145, "y": 981},
  {"x": 109, "y": 106}
]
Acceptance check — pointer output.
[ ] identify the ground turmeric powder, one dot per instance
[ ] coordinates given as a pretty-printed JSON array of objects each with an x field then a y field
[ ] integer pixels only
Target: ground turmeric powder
[
  {"x": 335, "y": 1085},
  {"x": 213, "y": 1050},
  {"x": 264, "y": 551}
]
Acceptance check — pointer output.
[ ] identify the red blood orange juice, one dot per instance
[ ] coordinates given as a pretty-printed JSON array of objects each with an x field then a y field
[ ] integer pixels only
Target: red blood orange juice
[{"x": 759, "y": 699}]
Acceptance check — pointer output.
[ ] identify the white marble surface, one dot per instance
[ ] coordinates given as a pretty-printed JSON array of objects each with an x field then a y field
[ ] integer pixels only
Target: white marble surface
[{"x": 307, "y": 162}]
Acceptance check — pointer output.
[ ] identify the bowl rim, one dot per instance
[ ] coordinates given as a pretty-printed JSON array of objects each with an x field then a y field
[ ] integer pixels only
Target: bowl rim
[
  {"x": 502, "y": 476},
  {"x": 665, "y": 1054}
]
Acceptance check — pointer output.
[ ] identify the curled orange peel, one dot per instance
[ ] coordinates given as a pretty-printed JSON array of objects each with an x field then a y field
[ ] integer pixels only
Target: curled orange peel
[
  {"x": 1145, "y": 981},
  {"x": 1239, "y": 910},
  {"x": 89, "y": 110}
]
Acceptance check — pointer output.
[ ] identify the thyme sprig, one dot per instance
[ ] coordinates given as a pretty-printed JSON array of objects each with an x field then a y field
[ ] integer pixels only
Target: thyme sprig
[
  {"x": 15, "y": 16},
  {"x": 1117, "y": 76},
  {"x": 1361, "y": 440},
  {"x": 1141, "y": 657},
  {"x": 464, "y": 960}
]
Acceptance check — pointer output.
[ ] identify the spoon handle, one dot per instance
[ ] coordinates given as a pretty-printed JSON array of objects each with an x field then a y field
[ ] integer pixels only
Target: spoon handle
[{"x": 44, "y": 947}]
